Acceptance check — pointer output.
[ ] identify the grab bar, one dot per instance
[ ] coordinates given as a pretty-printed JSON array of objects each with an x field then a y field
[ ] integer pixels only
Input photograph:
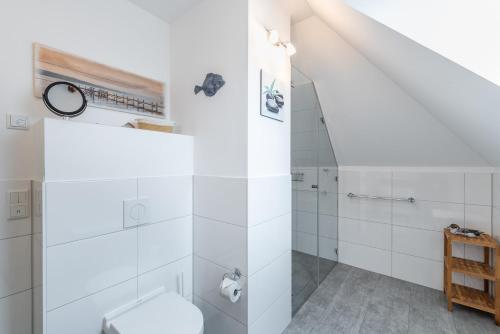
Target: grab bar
[{"x": 409, "y": 199}]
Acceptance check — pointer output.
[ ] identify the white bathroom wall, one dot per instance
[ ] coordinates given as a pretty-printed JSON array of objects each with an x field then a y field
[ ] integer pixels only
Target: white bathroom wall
[
  {"x": 405, "y": 240},
  {"x": 242, "y": 161},
  {"x": 312, "y": 157},
  {"x": 101, "y": 31},
  {"x": 269, "y": 183},
  {"x": 86, "y": 262}
]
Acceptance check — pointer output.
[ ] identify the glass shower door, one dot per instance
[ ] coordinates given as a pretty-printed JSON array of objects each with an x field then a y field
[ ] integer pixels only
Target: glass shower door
[{"x": 314, "y": 202}]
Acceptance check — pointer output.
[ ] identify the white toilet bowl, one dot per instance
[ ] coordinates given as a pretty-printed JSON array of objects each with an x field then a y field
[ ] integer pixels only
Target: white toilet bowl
[{"x": 159, "y": 313}]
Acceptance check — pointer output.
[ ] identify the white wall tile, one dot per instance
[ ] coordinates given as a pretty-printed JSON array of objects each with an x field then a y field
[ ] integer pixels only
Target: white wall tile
[
  {"x": 327, "y": 179},
  {"x": 303, "y": 158},
  {"x": 328, "y": 203},
  {"x": 474, "y": 283},
  {"x": 328, "y": 226},
  {"x": 304, "y": 98},
  {"x": 422, "y": 243},
  {"x": 221, "y": 198},
  {"x": 12, "y": 227},
  {"x": 267, "y": 285},
  {"x": 163, "y": 243},
  {"x": 307, "y": 201},
  {"x": 38, "y": 194},
  {"x": 307, "y": 222},
  {"x": 207, "y": 278},
  {"x": 496, "y": 190},
  {"x": 307, "y": 243},
  {"x": 267, "y": 241},
  {"x": 85, "y": 316},
  {"x": 268, "y": 197},
  {"x": 364, "y": 257},
  {"x": 373, "y": 183},
  {"x": 310, "y": 178},
  {"x": 78, "y": 210},
  {"x": 327, "y": 248},
  {"x": 276, "y": 318},
  {"x": 170, "y": 277},
  {"x": 365, "y": 209},
  {"x": 222, "y": 243},
  {"x": 78, "y": 269},
  {"x": 478, "y": 188},
  {"x": 427, "y": 215},
  {"x": 15, "y": 313},
  {"x": 430, "y": 186},
  {"x": 15, "y": 265},
  {"x": 478, "y": 217},
  {"x": 417, "y": 270},
  {"x": 38, "y": 311},
  {"x": 303, "y": 121},
  {"x": 496, "y": 223},
  {"x": 365, "y": 233},
  {"x": 294, "y": 241},
  {"x": 304, "y": 140},
  {"x": 68, "y": 157},
  {"x": 170, "y": 197},
  {"x": 37, "y": 259},
  {"x": 216, "y": 321}
]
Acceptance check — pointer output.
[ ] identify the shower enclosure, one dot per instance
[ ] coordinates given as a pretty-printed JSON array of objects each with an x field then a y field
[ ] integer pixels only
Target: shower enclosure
[{"x": 314, "y": 193}]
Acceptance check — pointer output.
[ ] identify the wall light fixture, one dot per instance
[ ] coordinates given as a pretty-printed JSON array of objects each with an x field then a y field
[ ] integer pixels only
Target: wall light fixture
[{"x": 274, "y": 38}]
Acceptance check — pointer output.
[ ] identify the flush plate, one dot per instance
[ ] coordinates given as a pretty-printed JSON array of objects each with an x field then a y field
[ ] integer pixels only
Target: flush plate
[{"x": 136, "y": 212}]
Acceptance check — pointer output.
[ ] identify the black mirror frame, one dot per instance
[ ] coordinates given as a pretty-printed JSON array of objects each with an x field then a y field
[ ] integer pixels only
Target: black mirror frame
[{"x": 61, "y": 112}]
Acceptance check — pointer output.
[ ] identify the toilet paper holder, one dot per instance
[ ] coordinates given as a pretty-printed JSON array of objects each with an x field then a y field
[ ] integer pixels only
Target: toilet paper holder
[{"x": 235, "y": 275}]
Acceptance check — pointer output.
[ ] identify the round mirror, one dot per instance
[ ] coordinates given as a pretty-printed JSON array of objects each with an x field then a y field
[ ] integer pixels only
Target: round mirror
[{"x": 64, "y": 99}]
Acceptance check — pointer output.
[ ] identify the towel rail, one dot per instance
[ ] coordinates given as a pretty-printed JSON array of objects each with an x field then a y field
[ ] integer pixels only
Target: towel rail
[{"x": 409, "y": 199}]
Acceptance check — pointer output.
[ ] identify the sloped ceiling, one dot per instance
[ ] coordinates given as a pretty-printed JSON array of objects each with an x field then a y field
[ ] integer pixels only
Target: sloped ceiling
[
  {"x": 465, "y": 103},
  {"x": 372, "y": 121},
  {"x": 167, "y": 10}
]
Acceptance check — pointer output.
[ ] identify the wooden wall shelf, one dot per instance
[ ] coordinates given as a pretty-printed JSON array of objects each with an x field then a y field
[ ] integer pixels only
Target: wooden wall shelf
[{"x": 458, "y": 294}]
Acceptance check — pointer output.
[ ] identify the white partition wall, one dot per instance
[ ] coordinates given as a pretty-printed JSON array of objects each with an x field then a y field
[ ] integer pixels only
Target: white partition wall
[
  {"x": 87, "y": 260},
  {"x": 405, "y": 240},
  {"x": 242, "y": 197}
]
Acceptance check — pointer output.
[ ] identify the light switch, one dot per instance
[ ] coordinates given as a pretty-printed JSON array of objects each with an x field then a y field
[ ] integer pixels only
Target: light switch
[
  {"x": 18, "y": 122},
  {"x": 18, "y": 211},
  {"x": 19, "y": 204},
  {"x": 136, "y": 212},
  {"x": 22, "y": 197},
  {"x": 14, "y": 197}
]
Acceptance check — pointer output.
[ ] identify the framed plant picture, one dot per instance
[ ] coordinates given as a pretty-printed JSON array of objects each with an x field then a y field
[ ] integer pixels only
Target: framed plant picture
[{"x": 271, "y": 97}]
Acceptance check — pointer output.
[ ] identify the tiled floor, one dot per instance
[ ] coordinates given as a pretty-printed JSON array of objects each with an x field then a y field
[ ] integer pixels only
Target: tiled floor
[
  {"x": 352, "y": 300},
  {"x": 305, "y": 276}
]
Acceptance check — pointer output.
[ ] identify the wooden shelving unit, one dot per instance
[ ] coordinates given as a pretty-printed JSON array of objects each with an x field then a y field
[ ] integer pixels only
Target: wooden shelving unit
[{"x": 458, "y": 294}]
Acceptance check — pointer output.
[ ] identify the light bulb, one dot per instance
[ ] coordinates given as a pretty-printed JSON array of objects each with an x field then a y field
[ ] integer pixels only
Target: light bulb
[
  {"x": 290, "y": 49},
  {"x": 273, "y": 36}
]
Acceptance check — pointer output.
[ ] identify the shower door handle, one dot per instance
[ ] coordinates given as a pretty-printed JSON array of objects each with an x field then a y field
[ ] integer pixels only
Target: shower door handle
[{"x": 314, "y": 186}]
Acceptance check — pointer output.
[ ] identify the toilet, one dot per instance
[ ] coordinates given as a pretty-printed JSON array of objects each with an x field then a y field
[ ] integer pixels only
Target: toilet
[{"x": 158, "y": 313}]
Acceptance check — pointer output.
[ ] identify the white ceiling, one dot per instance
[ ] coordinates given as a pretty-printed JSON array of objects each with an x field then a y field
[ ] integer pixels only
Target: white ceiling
[
  {"x": 463, "y": 102},
  {"x": 372, "y": 121},
  {"x": 167, "y": 10}
]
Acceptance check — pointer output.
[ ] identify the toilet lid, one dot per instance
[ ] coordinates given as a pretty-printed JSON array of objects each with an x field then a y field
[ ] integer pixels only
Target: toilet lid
[{"x": 165, "y": 314}]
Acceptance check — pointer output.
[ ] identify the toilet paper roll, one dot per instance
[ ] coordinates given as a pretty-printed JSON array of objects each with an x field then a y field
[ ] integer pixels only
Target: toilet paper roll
[{"x": 230, "y": 289}]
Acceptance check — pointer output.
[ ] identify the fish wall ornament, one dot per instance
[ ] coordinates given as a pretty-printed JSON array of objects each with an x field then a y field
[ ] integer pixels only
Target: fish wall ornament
[{"x": 213, "y": 82}]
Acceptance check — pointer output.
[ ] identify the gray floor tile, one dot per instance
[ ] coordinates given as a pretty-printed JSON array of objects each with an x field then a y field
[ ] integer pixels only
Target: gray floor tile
[{"x": 352, "y": 300}]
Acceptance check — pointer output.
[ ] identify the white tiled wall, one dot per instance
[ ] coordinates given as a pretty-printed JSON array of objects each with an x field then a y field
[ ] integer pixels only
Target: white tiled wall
[
  {"x": 91, "y": 269},
  {"x": 310, "y": 206},
  {"x": 15, "y": 264},
  {"x": 403, "y": 239},
  {"x": 85, "y": 262},
  {"x": 243, "y": 223}
]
